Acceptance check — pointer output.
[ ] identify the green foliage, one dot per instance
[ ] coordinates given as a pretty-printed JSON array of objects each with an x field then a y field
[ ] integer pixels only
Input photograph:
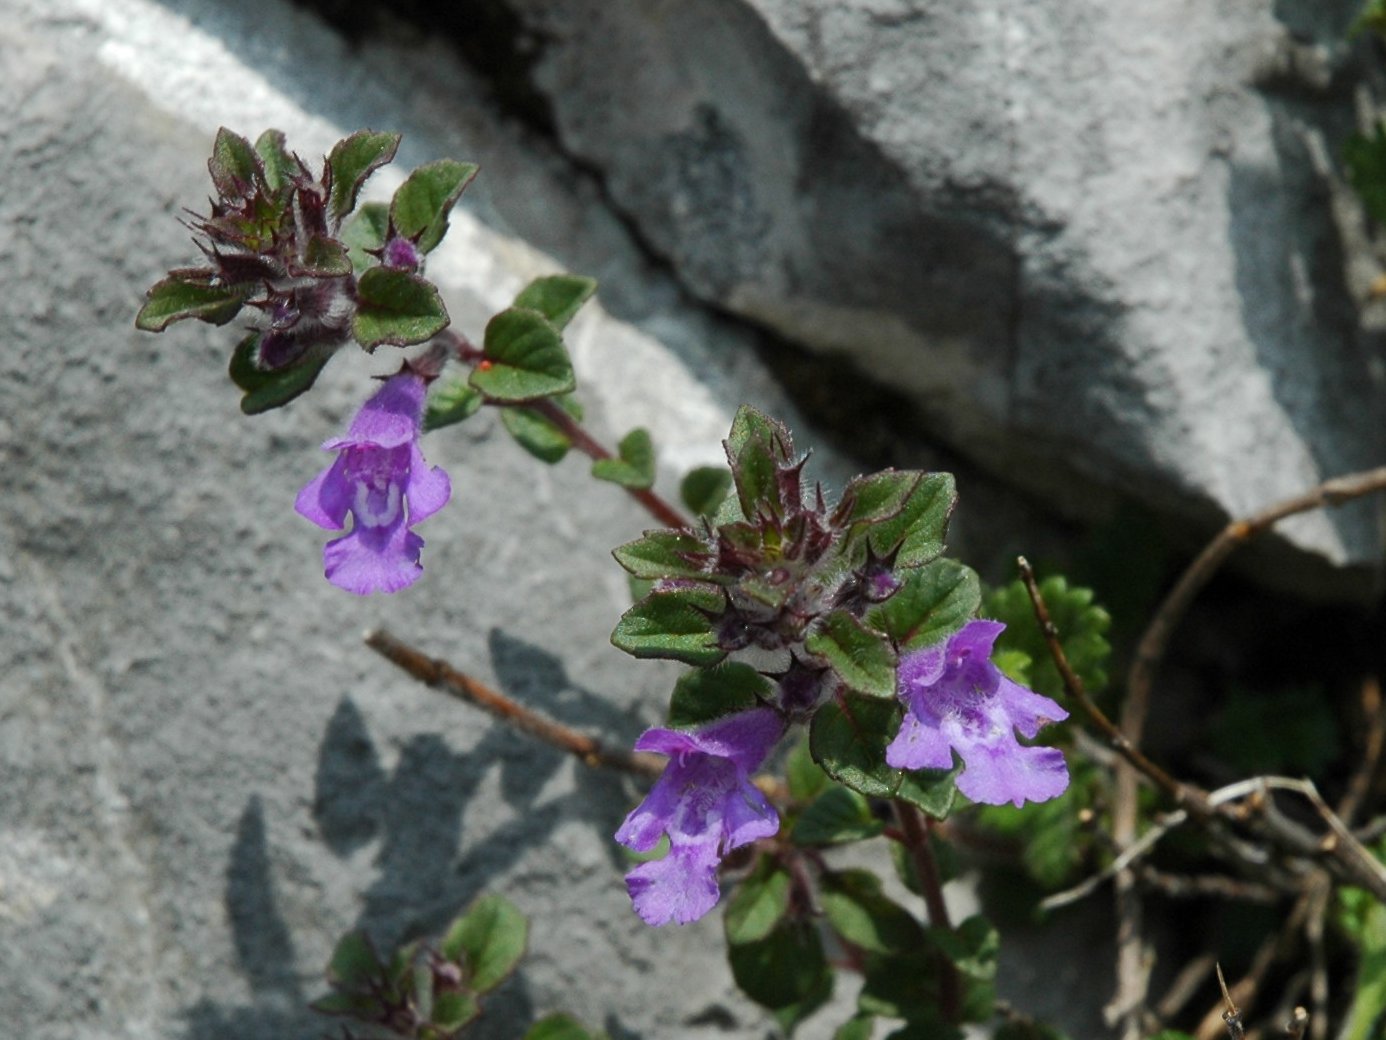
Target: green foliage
[
  {"x": 489, "y": 940},
  {"x": 665, "y": 554},
  {"x": 848, "y": 737},
  {"x": 863, "y": 659},
  {"x": 536, "y": 433},
  {"x": 755, "y": 447},
  {"x": 860, "y": 912},
  {"x": 420, "y": 207},
  {"x": 874, "y": 498},
  {"x": 836, "y": 817},
  {"x": 634, "y": 466},
  {"x": 524, "y": 359},
  {"x": 1365, "y": 156},
  {"x": 423, "y": 993},
  {"x": 1081, "y": 623},
  {"x": 275, "y": 160},
  {"x": 234, "y": 165},
  {"x": 932, "y": 603},
  {"x": 676, "y": 623},
  {"x": 1055, "y": 842},
  {"x": 1371, "y": 19},
  {"x": 704, "y": 489},
  {"x": 759, "y": 903},
  {"x": 450, "y": 401},
  {"x": 560, "y": 1027},
  {"x": 1290, "y": 731},
  {"x": 786, "y": 971},
  {"x": 264, "y": 391},
  {"x": 1363, "y": 919},
  {"x": 182, "y": 296},
  {"x": 858, "y": 1027},
  {"x": 806, "y": 780},
  {"x": 707, "y": 694},
  {"x": 916, "y": 533},
  {"x": 396, "y": 308},
  {"x": 351, "y": 161},
  {"x": 365, "y": 231},
  {"x": 558, "y": 297}
]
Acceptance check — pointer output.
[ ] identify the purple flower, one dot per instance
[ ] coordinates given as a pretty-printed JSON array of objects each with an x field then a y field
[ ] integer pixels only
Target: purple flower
[
  {"x": 707, "y": 805},
  {"x": 957, "y": 700},
  {"x": 381, "y": 479}
]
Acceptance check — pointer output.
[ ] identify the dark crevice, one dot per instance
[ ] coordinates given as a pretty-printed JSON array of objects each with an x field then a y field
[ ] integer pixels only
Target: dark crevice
[{"x": 487, "y": 34}]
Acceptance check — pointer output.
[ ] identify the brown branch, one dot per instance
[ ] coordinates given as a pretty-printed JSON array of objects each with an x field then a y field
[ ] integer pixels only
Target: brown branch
[
  {"x": 440, "y": 675},
  {"x": 916, "y": 838},
  {"x": 1363, "y": 778},
  {"x": 1150, "y": 651}
]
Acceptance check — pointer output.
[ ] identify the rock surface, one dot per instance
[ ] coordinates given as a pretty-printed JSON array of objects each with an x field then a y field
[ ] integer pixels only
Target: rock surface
[
  {"x": 1105, "y": 246},
  {"x": 205, "y": 779}
]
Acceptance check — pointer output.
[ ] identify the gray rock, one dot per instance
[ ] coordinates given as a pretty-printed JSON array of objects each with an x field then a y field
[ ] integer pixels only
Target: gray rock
[
  {"x": 1105, "y": 246},
  {"x": 205, "y": 779}
]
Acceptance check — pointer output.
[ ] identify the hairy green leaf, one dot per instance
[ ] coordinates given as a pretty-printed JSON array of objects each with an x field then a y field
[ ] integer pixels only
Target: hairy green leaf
[
  {"x": 396, "y": 308},
  {"x": 351, "y": 161},
  {"x": 422, "y": 203},
  {"x": 557, "y": 297}
]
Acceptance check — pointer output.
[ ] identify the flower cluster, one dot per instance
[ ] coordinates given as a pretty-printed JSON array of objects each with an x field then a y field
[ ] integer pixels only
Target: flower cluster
[
  {"x": 957, "y": 700},
  {"x": 706, "y": 804},
  {"x": 381, "y": 479}
]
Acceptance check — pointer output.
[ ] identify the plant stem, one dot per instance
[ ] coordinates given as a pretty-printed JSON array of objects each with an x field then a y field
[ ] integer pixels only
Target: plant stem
[
  {"x": 657, "y": 506},
  {"x": 442, "y": 676},
  {"x": 916, "y": 838}
]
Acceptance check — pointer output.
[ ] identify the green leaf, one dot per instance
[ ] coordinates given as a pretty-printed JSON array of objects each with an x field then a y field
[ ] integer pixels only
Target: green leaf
[
  {"x": 353, "y": 1005},
  {"x": 234, "y": 166},
  {"x": 849, "y": 736},
  {"x": 785, "y": 970},
  {"x": 265, "y": 391},
  {"x": 703, "y": 489},
  {"x": 676, "y": 623},
  {"x": 352, "y": 160},
  {"x": 396, "y": 308},
  {"x": 904, "y": 985},
  {"x": 710, "y": 693},
  {"x": 363, "y": 231},
  {"x": 354, "y": 966},
  {"x": 635, "y": 465},
  {"x": 932, "y": 603},
  {"x": 1081, "y": 623},
  {"x": 861, "y": 658},
  {"x": 858, "y": 1027},
  {"x": 450, "y": 402},
  {"x": 421, "y": 204},
  {"x": 874, "y": 498},
  {"x": 488, "y": 940},
  {"x": 1365, "y": 157},
  {"x": 275, "y": 158},
  {"x": 1367, "y": 1016},
  {"x": 178, "y": 297},
  {"x": 805, "y": 779},
  {"x": 557, "y": 296},
  {"x": 918, "y": 530},
  {"x": 758, "y": 905},
  {"x": 755, "y": 447},
  {"x": 524, "y": 359},
  {"x": 324, "y": 258},
  {"x": 861, "y": 913},
  {"x": 536, "y": 433},
  {"x": 972, "y": 947},
  {"x": 558, "y": 1027},
  {"x": 665, "y": 554},
  {"x": 838, "y": 816},
  {"x": 452, "y": 1011}
]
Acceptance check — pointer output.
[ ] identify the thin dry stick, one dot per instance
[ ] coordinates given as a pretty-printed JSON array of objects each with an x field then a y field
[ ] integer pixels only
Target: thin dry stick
[
  {"x": 442, "y": 676},
  {"x": 1149, "y": 652},
  {"x": 1363, "y": 777}
]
